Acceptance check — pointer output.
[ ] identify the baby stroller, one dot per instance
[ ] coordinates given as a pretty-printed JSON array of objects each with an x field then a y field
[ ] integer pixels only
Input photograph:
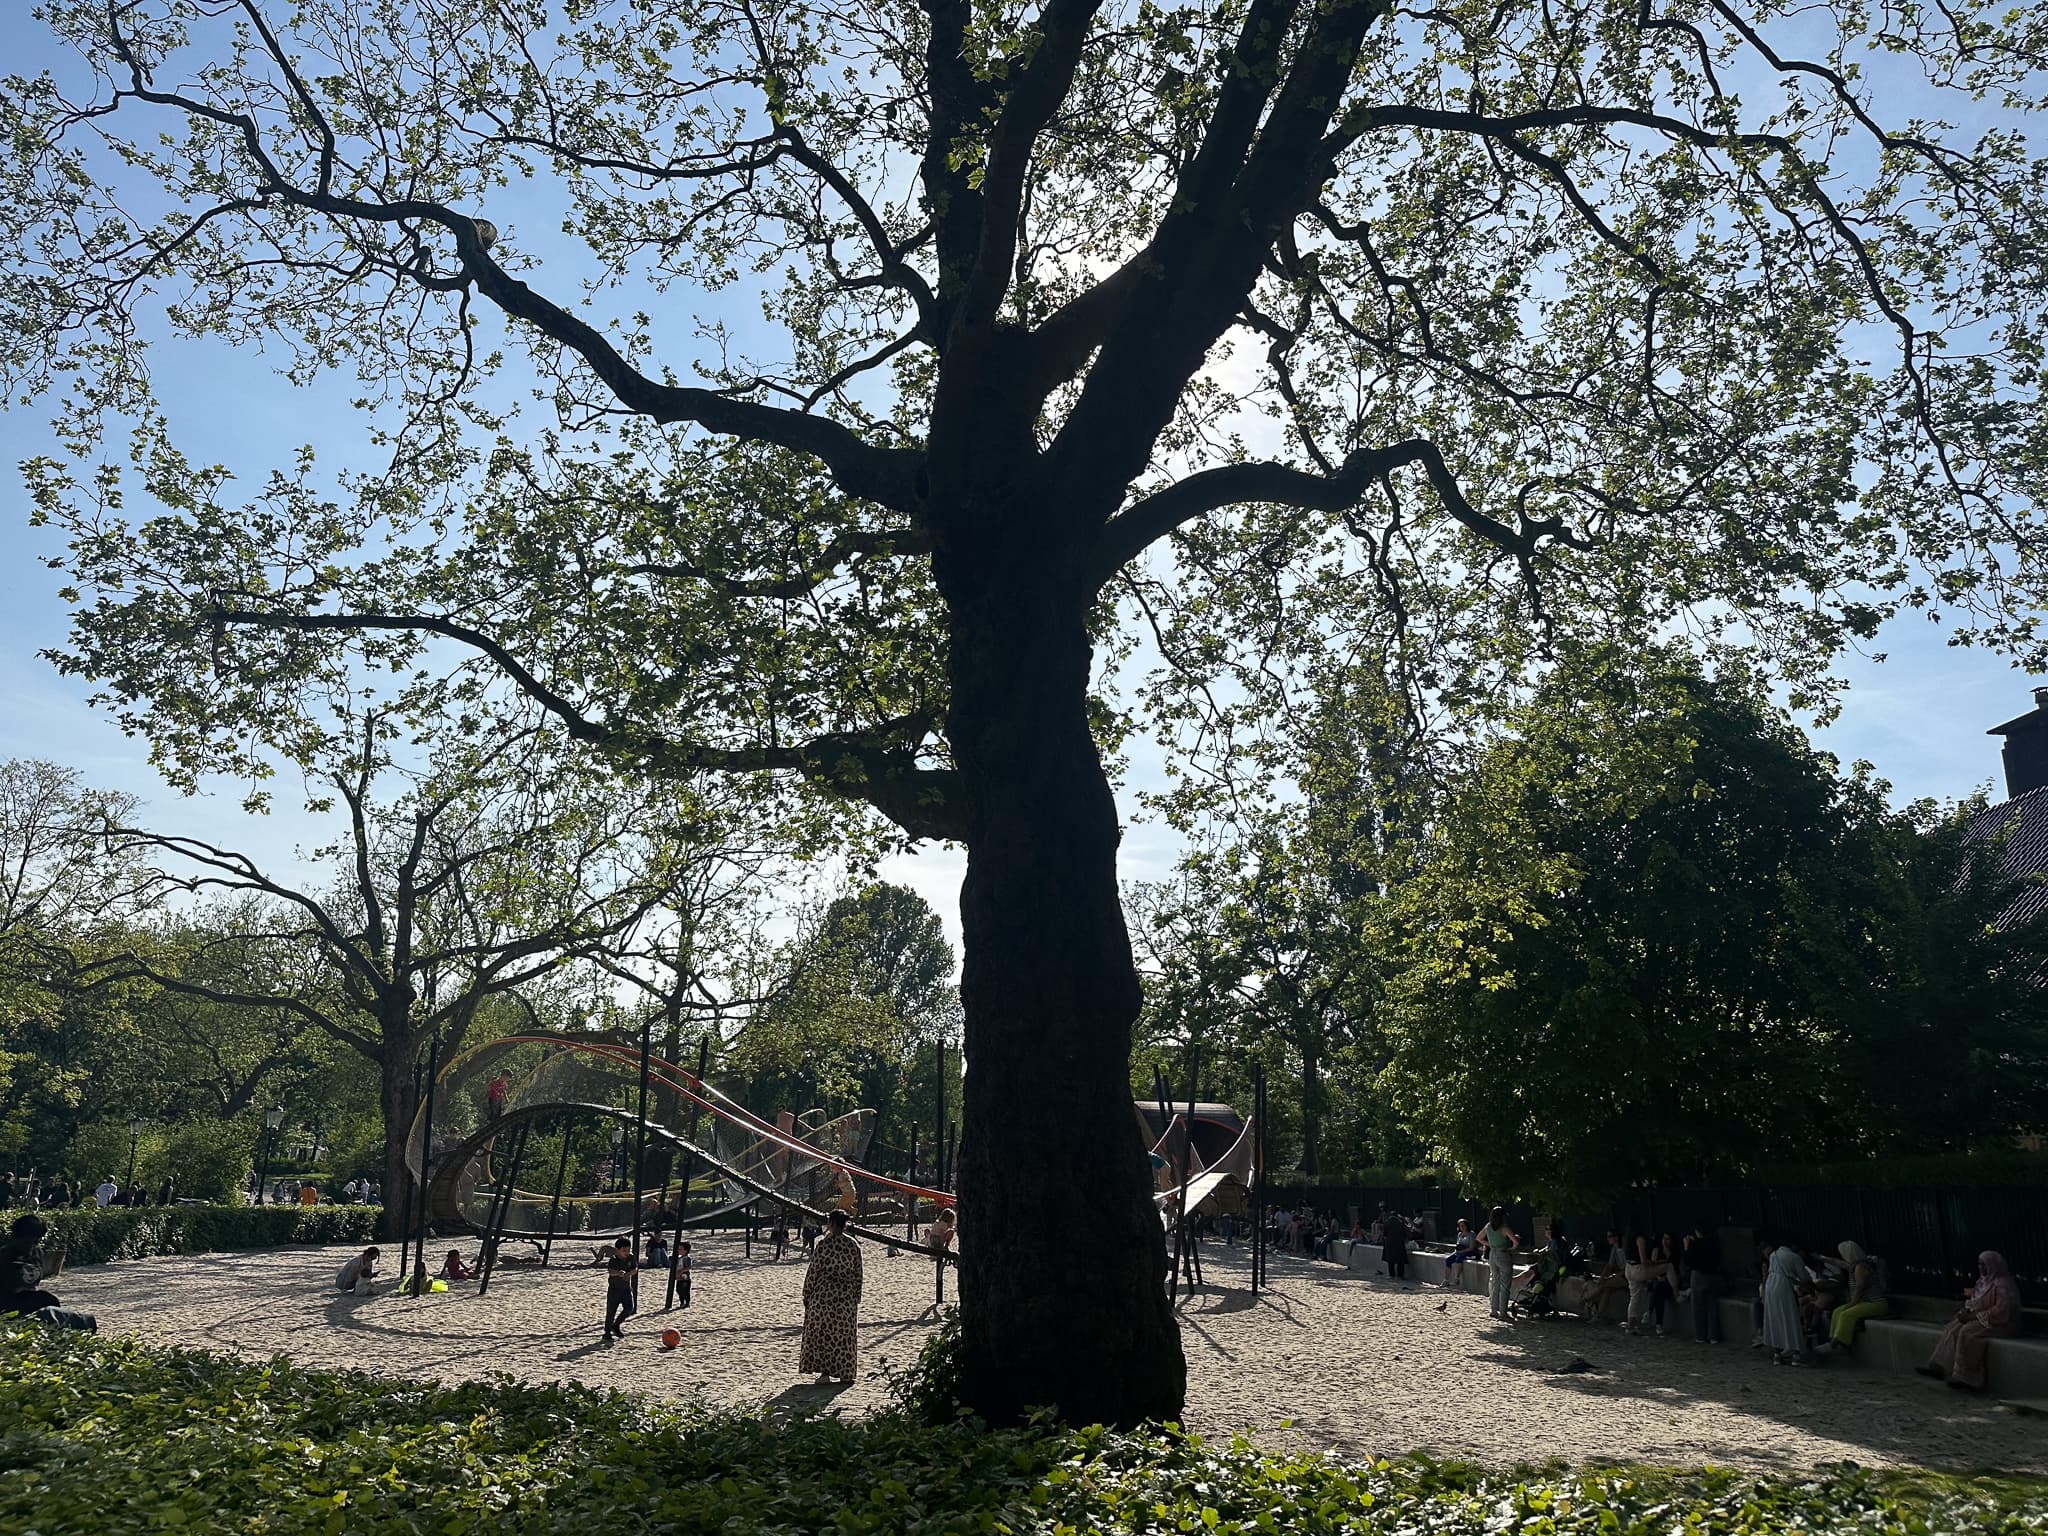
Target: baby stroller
[{"x": 1538, "y": 1298}]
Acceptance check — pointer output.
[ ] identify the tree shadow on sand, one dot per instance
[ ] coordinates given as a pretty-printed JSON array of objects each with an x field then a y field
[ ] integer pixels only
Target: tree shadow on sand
[{"x": 1897, "y": 1418}]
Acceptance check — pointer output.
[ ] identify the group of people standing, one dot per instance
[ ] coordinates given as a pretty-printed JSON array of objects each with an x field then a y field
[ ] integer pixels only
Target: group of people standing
[{"x": 31, "y": 1192}]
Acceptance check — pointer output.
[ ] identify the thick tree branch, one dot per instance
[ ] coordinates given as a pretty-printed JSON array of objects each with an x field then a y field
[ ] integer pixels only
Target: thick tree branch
[
  {"x": 887, "y": 476},
  {"x": 118, "y": 968},
  {"x": 896, "y": 272},
  {"x": 877, "y": 766},
  {"x": 874, "y": 546},
  {"x": 1129, "y": 534},
  {"x": 1028, "y": 106}
]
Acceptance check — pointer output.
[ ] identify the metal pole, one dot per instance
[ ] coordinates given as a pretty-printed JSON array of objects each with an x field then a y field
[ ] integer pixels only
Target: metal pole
[
  {"x": 1165, "y": 1132},
  {"x": 555, "y": 1205},
  {"x": 1187, "y": 1169},
  {"x": 404, "y": 1194},
  {"x": 501, "y": 1212},
  {"x": 1258, "y": 1174},
  {"x": 419, "y": 1254},
  {"x": 640, "y": 1152},
  {"x": 910, "y": 1200},
  {"x": 689, "y": 1168}
]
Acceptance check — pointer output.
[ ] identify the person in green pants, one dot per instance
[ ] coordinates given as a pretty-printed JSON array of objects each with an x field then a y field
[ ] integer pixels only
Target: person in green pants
[{"x": 1865, "y": 1296}]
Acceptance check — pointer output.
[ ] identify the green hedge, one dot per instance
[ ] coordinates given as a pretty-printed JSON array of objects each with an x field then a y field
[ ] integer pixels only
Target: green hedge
[
  {"x": 96, "y": 1432},
  {"x": 90, "y": 1236}
]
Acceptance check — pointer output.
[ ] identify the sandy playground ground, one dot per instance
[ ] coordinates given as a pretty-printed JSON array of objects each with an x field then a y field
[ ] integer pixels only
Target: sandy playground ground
[{"x": 1325, "y": 1359}]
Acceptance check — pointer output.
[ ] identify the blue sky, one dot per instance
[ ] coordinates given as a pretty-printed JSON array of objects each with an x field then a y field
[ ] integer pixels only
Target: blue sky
[{"x": 1919, "y": 717}]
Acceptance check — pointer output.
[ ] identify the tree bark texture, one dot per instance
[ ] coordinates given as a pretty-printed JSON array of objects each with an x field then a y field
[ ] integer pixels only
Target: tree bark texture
[
  {"x": 395, "y": 1093},
  {"x": 1311, "y": 1110},
  {"x": 1062, "y": 1292}
]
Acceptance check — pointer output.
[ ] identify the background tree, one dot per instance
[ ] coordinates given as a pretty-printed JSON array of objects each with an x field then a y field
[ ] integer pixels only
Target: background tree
[
  {"x": 1657, "y": 936},
  {"x": 858, "y": 1009},
  {"x": 471, "y": 879},
  {"x": 64, "y": 893},
  {"x": 1557, "y": 315},
  {"x": 1274, "y": 939}
]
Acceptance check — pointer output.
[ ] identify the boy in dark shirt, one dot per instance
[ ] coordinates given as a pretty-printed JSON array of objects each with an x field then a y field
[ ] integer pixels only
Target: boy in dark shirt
[
  {"x": 682, "y": 1274},
  {"x": 618, "y": 1290}
]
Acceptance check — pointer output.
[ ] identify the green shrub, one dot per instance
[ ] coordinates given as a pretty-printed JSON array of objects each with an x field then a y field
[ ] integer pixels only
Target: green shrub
[
  {"x": 90, "y": 1236},
  {"x": 201, "y": 1443},
  {"x": 210, "y": 1159},
  {"x": 929, "y": 1392}
]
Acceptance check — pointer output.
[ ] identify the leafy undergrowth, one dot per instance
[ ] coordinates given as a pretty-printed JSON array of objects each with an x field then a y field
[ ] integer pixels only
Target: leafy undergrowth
[{"x": 104, "y": 1434}]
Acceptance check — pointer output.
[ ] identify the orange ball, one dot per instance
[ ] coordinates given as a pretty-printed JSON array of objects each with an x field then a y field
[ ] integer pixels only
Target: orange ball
[{"x": 670, "y": 1338}]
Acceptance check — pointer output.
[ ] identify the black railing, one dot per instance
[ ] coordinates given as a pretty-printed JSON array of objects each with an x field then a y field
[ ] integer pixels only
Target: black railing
[{"x": 1928, "y": 1236}]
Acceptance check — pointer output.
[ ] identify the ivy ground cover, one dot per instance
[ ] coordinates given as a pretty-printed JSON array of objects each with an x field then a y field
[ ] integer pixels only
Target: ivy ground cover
[{"x": 103, "y": 1433}]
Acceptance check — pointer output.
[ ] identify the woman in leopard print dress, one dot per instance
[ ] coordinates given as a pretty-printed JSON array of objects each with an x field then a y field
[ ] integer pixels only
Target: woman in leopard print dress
[{"x": 832, "y": 1303}]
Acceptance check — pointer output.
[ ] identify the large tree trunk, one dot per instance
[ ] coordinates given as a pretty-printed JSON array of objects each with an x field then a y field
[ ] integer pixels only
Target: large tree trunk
[
  {"x": 1062, "y": 1286},
  {"x": 1311, "y": 1110},
  {"x": 396, "y": 1097}
]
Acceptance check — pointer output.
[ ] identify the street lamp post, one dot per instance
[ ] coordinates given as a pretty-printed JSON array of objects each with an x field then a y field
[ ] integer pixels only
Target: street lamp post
[
  {"x": 272, "y": 1119},
  {"x": 134, "y": 1136}
]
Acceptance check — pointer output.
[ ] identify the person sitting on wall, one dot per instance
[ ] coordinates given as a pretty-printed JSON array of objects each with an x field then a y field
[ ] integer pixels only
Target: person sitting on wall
[
  {"x": 1464, "y": 1249},
  {"x": 1992, "y": 1310}
]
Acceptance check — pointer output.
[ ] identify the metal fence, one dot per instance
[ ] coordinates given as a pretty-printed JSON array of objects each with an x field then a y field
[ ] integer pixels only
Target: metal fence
[{"x": 1928, "y": 1236}]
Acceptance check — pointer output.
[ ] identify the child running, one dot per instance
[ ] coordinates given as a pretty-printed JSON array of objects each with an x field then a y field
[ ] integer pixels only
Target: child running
[{"x": 618, "y": 1290}]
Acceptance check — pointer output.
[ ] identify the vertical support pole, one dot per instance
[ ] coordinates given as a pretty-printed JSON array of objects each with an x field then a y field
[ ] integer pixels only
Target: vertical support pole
[
  {"x": 1258, "y": 1175},
  {"x": 640, "y": 1150},
  {"x": 404, "y": 1196},
  {"x": 910, "y": 1200},
  {"x": 501, "y": 1211},
  {"x": 689, "y": 1167},
  {"x": 561, "y": 1177},
  {"x": 939, "y": 1116},
  {"x": 419, "y": 1254},
  {"x": 1186, "y": 1242},
  {"x": 1165, "y": 1132},
  {"x": 952, "y": 1162}
]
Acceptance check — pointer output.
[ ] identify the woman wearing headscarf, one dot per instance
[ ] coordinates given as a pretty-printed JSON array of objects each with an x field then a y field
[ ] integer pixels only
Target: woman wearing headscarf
[
  {"x": 1862, "y": 1297},
  {"x": 832, "y": 1303},
  {"x": 1992, "y": 1311},
  {"x": 1786, "y": 1277}
]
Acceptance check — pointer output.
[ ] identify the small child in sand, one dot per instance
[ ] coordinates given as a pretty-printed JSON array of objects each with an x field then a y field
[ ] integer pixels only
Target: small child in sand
[
  {"x": 682, "y": 1274},
  {"x": 619, "y": 1275},
  {"x": 452, "y": 1268}
]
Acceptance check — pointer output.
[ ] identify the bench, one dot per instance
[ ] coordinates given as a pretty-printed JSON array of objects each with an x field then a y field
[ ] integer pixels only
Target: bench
[{"x": 2013, "y": 1368}]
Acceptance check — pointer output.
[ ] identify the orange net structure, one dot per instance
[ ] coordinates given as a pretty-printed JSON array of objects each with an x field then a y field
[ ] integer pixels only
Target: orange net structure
[{"x": 487, "y": 1101}]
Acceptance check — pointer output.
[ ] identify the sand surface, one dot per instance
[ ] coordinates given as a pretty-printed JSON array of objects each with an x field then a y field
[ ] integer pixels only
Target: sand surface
[{"x": 1324, "y": 1358}]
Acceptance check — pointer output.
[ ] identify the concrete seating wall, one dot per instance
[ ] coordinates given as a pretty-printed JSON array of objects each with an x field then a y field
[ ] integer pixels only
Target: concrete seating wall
[{"x": 2016, "y": 1367}]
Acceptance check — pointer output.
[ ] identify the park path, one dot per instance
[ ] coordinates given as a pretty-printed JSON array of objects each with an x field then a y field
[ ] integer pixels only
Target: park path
[{"x": 1325, "y": 1359}]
